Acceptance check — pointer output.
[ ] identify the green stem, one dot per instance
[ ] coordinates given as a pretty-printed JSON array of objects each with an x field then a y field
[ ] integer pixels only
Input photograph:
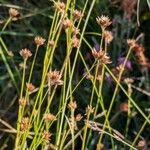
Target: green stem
[
  {"x": 115, "y": 92},
  {"x": 18, "y": 136},
  {"x": 140, "y": 131}
]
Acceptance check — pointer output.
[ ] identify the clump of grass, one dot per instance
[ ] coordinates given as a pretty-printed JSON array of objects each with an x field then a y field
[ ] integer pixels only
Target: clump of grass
[{"x": 50, "y": 114}]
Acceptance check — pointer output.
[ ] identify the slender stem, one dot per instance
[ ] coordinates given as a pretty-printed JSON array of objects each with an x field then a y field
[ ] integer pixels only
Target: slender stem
[
  {"x": 85, "y": 132},
  {"x": 140, "y": 131},
  {"x": 20, "y": 109},
  {"x": 115, "y": 92},
  {"x": 7, "y": 22}
]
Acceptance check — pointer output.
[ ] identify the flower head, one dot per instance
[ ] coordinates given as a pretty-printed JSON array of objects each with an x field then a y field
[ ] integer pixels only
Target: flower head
[
  {"x": 22, "y": 102},
  {"x": 75, "y": 41},
  {"x": 124, "y": 107},
  {"x": 54, "y": 78},
  {"x": 77, "y": 14},
  {"x": 75, "y": 31},
  {"x": 24, "y": 123},
  {"x": 78, "y": 117},
  {"x": 141, "y": 144},
  {"x": 103, "y": 21},
  {"x": 39, "y": 40},
  {"x": 72, "y": 105},
  {"x": 13, "y": 12},
  {"x": 128, "y": 81},
  {"x": 131, "y": 42},
  {"x": 129, "y": 7},
  {"x": 46, "y": 136},
  {"x": 51, "y": 43},
  {"x": 30, "y": 87},
  {"x": 108, "y": 36},
  {"x": 101, "y": 55},
  {"x": 25, "y": 53},
  {"x": 89, "y": 110},
  {"x": 49, "y": 117},
  {"x": 60, "y": 6},
  {"x": 67, "y": 24}
]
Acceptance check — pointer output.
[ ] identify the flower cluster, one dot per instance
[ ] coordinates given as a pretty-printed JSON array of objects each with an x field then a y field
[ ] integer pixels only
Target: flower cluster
[
  {"x": 124, "y": 107},
  {"x": 103, "y": 21},
  {"x": 77, "y": 14},
  {"x": 13, "y": 12},
  {"x": 141, "y": 58},
  {"x": 89, "y": 110},
  {"x": 67, "y": 24},
  {"x": 30, "y": 87},
  {"x": 49, "y": 117},
  {"x": 78, "y": 117},
  {"x": 24, "y": 123},
  {"x": 54, "y": 78},
  {"x": 60, "y": 6},
  {"x": 25, "y": 53},
  {"x": 46, "y": 136},
  {"x": 131, "y": 42},
  {"x": 108, "y": 36},
  {"x": 51, "y": 43},
  {"x": 22, "y": 102},
  {"x": 39, "y": 40},
  {"x": 128, "y": 7},
  {"x": 101, "y": 55},
  {"x": 75, "y": 41},
  {"x": 72, "y": 105}
]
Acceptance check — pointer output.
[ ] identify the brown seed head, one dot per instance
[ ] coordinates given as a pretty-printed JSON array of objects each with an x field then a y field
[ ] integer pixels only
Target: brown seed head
[
  {"x": 54, "y": 78},
  {"x": 131, "y": 42},
  {"x": 72, "y": 105},
  {"x": 75, "y": 31},
  {"x": 101, "y": 55},
  {"x": 77, "y": 14},
  {"x": 73, "y": 123},
  {"x": 22, "y": 102},
  {"x": 24, "y": 123},
  {"x": 49, "y": 117},
  {"x": 119, "y": 68},
  {"x": 39, "y": 40},
  {"x": 141, "y": 144},
  {"x": 129, "y": 7},
  {"x": 108, "y": 36},
  {"x": 89, "y": 110},
  {"x": 46, "y": 136},
  {"x": 124, "y": 107},
  {"x": 105, "y": 59},
  {"x": 138, "y": 48},
  {"x": 51, "y": 43},
  {"x": 67, "y": 24},
  {"x": 78, "y": 117},
  {"x": 13, "y": 12},
  {"x": 103, "y": 21},
  {"x": 128, "y": 81},
  {"x": 60, "y": 6},
  {"x": 30, "y": 87},
  {"x": 98, "y": 54},
  {"x": 25, "y": 53},
  {"x": 75, "y": 41}
]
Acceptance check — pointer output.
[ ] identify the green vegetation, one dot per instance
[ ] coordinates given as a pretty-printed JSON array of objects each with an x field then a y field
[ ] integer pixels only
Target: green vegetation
[{"x": 74, "y": 74}]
